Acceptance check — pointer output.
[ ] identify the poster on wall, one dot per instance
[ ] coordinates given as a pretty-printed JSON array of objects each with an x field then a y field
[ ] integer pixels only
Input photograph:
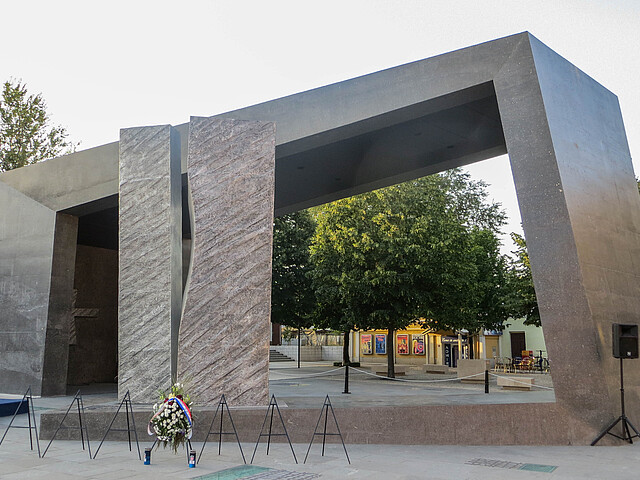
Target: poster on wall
[
  {"x": 381, "y": 344},
  {"x": 417, "y": 344},
  {"x": 403, "y": 344},
  {"x": 365, "y": 344}
]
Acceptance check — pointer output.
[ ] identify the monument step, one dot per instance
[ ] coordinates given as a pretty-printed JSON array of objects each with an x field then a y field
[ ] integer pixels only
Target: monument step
[
  {"x": 8, "y": 406},
  {"x": 276, "y": 356}
]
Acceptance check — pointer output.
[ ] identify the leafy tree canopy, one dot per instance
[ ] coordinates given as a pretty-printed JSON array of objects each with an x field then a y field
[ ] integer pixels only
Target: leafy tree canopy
[
  {"x": 522, "y": 301},
  {"x": 292, "y": 297},
  {"x": 26, "y": 135},
  {"x": 424, "y": 250}
]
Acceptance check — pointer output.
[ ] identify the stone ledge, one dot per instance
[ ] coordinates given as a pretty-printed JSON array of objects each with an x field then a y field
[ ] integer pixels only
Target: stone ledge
[{"x": 513, "y": 383}]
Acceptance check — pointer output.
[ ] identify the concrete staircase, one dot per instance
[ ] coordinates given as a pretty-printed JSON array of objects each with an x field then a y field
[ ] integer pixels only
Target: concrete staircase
[{"x": 276, "y": 356}]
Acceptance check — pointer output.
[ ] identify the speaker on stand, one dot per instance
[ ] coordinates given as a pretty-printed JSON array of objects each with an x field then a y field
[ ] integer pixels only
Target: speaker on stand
[{"x": 625, "y": 345}]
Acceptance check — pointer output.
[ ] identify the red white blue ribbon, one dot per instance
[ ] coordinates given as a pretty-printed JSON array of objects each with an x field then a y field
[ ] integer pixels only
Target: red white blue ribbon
[{"x": 183, "y": 406}]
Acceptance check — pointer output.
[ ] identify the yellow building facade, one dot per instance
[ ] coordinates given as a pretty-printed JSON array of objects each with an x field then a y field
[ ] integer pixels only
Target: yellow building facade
[{"x": 414, "y": 345}]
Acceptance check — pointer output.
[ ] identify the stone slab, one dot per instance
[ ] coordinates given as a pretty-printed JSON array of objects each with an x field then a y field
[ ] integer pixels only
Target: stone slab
[
  {"x": 225, "y": 328},
  {"x": 26, "y": 255},
  {"x": 545, "y": 424},
  {"x": 515, "y": 383},
  {"x": 150, "y": 253},
  {"x": 467, "y": 367},
  {"x": 435, "y": 369},
  {"x": 56, "y": 350}
]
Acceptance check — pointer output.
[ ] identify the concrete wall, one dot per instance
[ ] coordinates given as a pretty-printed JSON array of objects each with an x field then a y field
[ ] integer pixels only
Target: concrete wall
[
  {"x": 93, "y": 357},
  {"x": 315, "y": 353},
  {"x": 26, "y": 255},
  {"x": 56, "y": 349},
  {"x": 307, "y": 353}
]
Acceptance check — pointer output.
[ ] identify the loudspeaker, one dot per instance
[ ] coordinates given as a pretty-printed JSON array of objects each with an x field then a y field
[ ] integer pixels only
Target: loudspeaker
[{"x": 625, "y": 341}]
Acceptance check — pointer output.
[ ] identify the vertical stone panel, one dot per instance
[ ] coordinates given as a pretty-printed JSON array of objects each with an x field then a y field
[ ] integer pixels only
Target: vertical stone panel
[
  {"x": 149, "y": 262},
  {"x": 56, "y": 352},
  {"x": 26, "y": 253},
  {"x": 224, "y": 333}
]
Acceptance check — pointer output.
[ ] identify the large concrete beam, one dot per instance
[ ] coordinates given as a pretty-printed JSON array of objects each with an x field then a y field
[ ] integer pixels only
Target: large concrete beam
[
  {"x": 224, "y": 334},
  {"x": 581, "y": 217},
  {"x": 150, "y": 277}
]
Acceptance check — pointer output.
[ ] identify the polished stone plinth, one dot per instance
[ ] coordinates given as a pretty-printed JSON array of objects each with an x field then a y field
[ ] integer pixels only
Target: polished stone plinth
[
  {"x": 224, "y": 333},
  {"x": 149, "y": 296}
]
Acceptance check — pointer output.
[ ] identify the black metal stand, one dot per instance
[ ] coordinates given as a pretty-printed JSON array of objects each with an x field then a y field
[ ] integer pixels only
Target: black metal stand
[
  {"x": 30, "y": 414},
  {"x": 222, "y": 404},
  {"x": 126, "y": 401},
  {"x": 346, "y": 379},
  {"x": 299, "y": 340},
  {"x": 273, "y": 406},
  {"x": 486, "y": 381},
  {"x": 188, "y": 449},
  {"x": 622, "y": 419},
  {"x": 325, "y": 411},
  {"x": 83, "y": 426}
]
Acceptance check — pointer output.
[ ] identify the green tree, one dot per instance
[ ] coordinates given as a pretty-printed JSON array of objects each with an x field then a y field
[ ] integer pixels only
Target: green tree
[
  {"x": 422, "y": 251},
  {"x": 292, "y": 298},
  {"x": 26, "y": 135},
  {"x": 522, "y": 301}
]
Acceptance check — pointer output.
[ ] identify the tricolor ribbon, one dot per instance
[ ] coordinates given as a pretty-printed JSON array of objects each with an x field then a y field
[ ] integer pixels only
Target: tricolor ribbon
[{"x": 183, "y": 406}]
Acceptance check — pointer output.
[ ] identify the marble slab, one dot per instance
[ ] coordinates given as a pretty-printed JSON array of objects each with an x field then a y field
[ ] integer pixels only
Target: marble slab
[
  {"x": 149, "y": 235},
  {"x": 225, "y": 328}
]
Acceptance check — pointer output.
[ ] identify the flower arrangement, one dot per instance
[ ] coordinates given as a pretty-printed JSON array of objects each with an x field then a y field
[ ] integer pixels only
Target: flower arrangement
[{"x": 171, "y": 422}]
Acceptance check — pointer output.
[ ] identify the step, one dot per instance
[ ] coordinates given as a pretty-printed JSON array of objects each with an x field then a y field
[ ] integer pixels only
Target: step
[{"x": 8, "y": 406}]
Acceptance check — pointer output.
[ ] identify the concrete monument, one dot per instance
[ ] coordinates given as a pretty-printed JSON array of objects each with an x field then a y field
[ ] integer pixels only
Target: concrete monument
[{"x": 571, "y": 166}]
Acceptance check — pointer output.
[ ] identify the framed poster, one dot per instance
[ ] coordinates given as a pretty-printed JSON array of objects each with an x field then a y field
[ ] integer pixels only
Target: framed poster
[
  {"x": 417, "y": 344},
  {"x": 381, "y": 344},
  {"x": 366, "y": 344},
  {"x": 402, "y": 342}
]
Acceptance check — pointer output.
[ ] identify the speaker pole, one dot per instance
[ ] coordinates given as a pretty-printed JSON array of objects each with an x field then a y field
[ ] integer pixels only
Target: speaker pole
[{"x": 622, "y": 419}]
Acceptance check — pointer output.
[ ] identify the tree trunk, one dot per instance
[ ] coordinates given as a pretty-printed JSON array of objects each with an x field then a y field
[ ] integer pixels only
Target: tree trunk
[
  {"x": 345, "y": 349},
  {"x": 391, "y": 372}
]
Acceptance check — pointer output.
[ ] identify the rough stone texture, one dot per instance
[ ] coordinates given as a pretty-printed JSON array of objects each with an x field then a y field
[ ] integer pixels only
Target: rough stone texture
[
  {"x": 224, "y": 334},
  {"x": 93, "y": 357},
  {"x": 150, "y": 280},
  {"x": 26, "y": 253},
  {"x": 56, "y": 350}
]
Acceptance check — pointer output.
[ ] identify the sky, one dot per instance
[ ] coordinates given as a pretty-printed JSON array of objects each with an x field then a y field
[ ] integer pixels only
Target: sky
[{"x": 103, "y": 66}]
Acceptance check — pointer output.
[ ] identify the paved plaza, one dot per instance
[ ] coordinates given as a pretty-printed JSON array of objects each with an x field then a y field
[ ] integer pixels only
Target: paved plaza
[{"x": 306, "y": 388}]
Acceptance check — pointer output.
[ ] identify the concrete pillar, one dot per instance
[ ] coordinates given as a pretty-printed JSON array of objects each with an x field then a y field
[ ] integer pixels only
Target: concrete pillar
[
  {"x": 224, "y": 334},
  {"x": 150, "y": 277},
  {"x": 56, "y": 351}
]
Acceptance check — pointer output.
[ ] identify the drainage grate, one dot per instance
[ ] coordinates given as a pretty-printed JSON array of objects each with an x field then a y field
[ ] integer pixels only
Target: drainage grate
[
  {"x": 282, "y": 475},
  {"x": 532, "y": 467},
  {"x": 251, "y": 472}
]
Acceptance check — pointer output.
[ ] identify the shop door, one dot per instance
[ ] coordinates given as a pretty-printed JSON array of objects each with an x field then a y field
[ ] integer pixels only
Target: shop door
[
  {"x": 517, "y": 344},
  {"x": 492, "y": 347}
]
